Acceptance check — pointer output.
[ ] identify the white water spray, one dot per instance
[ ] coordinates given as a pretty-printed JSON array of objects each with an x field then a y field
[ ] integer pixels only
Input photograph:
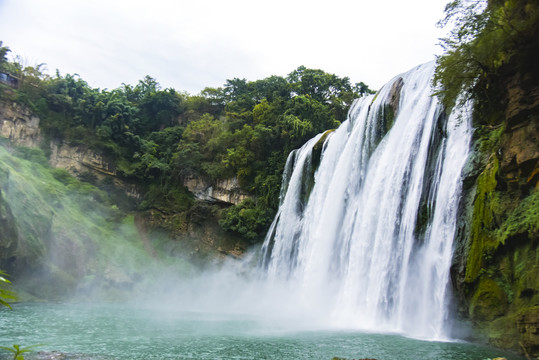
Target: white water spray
[{"x": 368, "y": 245}]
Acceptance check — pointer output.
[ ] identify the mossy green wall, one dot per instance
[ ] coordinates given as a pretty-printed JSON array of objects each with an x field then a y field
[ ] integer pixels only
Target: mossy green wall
[{"x": 499, "y": 282}]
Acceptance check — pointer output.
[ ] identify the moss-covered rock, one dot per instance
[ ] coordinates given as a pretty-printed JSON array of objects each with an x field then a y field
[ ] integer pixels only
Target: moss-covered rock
[
  {"x": 317, "y": 149},
  {"x": 528, "y": 327},
  {"x": 482, "y": 242},
  {"x": 496, "y": 260},
  {"x": 522, "y": 221},
  {"x": 488, "y": 302}
]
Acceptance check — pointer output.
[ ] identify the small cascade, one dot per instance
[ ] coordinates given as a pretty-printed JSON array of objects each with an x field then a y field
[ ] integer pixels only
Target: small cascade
[{"x": 365, "y": 239}]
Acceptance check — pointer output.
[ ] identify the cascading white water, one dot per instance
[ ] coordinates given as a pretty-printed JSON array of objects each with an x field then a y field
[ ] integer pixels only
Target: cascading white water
[{"x": 369, "y": 245}]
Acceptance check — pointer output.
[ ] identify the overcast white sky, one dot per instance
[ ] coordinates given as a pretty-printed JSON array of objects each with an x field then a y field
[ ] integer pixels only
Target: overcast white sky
[{"x": 189, "y": 45}]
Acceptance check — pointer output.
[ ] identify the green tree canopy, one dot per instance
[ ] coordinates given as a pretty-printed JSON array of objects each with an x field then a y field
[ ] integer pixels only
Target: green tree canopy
[
  {"x": 158, "y": 137},
  {"x": 490, "y": 40}
]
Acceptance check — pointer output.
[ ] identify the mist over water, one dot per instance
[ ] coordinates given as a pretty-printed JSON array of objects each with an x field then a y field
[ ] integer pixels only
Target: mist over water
[
  {"x": 364, "y": 240},
  {"x": 357, "y": 256}
]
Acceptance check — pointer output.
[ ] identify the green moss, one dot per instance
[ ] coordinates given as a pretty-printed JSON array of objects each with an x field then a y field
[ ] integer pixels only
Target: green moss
[
  {"x": 528, "y": 283},
  {"x": 32, "y": 154},
  {"x": 489, "y": 301},
  {"x": 515, "y": 330},
  {"x": 389, "y": 118},
  {"x": 482, "y": 240},
  {"x": 317, "y": 149},
  {"x": 523, "y": 220},
  {"x": 489, "y": 139},
  {"x": 374, "y": 97},
  {"x": 503, "y": 332}
]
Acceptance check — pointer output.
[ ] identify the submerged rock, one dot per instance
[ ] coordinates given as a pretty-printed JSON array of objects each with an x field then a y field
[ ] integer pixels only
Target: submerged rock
[{"x": 59, "y": 355}]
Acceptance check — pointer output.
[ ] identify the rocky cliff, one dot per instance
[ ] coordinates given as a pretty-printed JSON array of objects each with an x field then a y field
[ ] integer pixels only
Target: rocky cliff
[
  {"x": 496, "y": 262},
  {"x": 495, "y": 270},
  {"x": 80, "y": 161},
  {"x": 226, "y": 191},
  {"x": 18, "y": 124},
  {"x": 21, "y": 127}
]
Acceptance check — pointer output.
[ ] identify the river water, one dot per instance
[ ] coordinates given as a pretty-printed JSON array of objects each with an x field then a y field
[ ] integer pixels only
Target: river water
[{"x": 82, "y": 331}]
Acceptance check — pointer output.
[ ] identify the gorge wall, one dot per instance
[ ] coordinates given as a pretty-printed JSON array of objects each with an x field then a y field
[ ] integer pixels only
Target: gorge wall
[{"x": 496, "y": 261}]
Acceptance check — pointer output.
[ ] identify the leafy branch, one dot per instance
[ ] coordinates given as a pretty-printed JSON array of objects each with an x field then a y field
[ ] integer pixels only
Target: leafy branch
[{"x": 17, "y": 350}]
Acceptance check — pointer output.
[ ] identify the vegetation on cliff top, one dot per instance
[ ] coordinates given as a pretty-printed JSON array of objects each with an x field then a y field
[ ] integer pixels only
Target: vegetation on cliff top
[
  {"x": 490, "y": 41},
  {"x": 159, "y": 137}
]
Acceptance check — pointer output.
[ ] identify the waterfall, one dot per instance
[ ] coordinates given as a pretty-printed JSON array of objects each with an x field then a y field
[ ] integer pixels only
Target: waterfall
[{"x": 365, "y": 239}]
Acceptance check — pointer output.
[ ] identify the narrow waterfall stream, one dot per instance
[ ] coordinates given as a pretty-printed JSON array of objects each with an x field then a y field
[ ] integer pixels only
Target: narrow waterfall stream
[{"x": 365, "y": 240}]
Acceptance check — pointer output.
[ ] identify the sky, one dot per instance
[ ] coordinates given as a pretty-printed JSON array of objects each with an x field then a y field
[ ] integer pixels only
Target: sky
[{"x": 190, "y": 45}]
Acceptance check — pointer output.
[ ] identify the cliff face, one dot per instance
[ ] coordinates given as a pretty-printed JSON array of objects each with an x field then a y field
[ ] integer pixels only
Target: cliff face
[
  {"x": 226, "y": 191},
  {"x": 80, "y": 161},
  {"x": 19, "y": 125},
  {"x": 59, "y": 236},
  {"x": 496, "y": 263}
]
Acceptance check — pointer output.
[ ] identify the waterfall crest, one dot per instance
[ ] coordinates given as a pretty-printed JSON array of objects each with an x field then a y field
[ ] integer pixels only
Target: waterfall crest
[{"x": 365, "y": 240}]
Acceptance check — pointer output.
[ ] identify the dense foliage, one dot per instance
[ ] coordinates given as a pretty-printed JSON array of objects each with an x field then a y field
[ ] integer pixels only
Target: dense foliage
[
  {"x": 158, "y": 138},
  {"x": 490, "y": 41}
]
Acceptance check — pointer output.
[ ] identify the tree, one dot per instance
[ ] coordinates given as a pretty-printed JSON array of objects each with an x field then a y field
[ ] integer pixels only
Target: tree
[
  {"x": 6, "y": 294},
  {"x": 4, "y": 50},
  {"x": 272, "y": 89},
  {"x": 489, "y": 41}
]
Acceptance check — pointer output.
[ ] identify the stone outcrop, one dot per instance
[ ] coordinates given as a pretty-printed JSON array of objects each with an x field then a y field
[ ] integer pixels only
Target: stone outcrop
[
  {"x": 18, "y": 124},
  {"x": 496, "y": 261},
  {"x": 227, "y": 191},
  {"x": 519, "y": 158},
  {"x": 79, "y": 160},
  {"x": 389, "y": 110},
  {"x": 395, "y": 95}
]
